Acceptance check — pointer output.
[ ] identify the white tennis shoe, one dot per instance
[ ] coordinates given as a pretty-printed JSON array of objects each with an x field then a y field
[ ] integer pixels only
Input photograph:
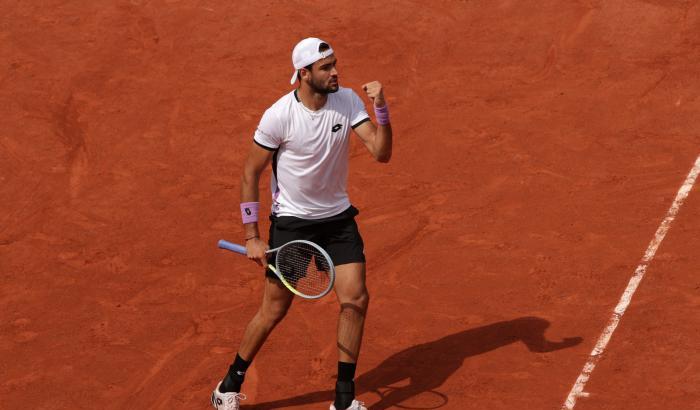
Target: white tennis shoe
[
  {"x": 226, "y": 401},
  {"x": 356, "y": 405}
]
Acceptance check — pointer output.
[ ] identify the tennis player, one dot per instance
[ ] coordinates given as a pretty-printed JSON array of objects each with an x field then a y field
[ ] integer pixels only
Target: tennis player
[{"x": 305, "y": 135}]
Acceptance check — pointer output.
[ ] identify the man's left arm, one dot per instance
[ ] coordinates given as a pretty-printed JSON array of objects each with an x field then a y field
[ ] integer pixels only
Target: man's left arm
[{"x": 377, "y": 139}]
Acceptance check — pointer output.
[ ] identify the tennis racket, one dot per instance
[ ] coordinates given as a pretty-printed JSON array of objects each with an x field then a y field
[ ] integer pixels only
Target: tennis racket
[{"x": 302, "y": 266}]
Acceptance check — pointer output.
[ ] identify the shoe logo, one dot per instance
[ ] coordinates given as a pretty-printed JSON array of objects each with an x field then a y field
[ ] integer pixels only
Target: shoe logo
[
  {"x": 240, "y": 373},
  {"x": 247, "y": 211},
  {"x": 219, "y": 402},
  {"x": 337, "y": 127}
]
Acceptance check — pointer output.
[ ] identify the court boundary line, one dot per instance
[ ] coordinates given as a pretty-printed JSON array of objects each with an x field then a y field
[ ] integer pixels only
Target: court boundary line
[{"x": 626, "y": 298}]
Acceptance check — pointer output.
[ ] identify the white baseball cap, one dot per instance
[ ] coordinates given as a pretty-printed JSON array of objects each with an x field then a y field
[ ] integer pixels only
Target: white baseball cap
[{"x": 306, "y": 52}]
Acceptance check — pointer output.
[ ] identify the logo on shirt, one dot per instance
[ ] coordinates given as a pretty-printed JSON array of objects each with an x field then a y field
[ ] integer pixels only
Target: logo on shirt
[{"x": 336, "y": 127}]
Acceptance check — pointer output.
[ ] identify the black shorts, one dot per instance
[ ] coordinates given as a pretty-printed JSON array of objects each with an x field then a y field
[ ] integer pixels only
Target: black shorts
[{"x": 338, "y": 235}]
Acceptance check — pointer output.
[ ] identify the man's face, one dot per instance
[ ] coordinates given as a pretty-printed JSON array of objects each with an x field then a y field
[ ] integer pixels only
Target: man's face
[{"x": 323, "y": 77}]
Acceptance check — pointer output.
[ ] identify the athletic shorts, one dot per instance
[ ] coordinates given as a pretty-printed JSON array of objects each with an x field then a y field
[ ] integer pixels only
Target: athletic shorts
[{"x": 338, "y": 235}]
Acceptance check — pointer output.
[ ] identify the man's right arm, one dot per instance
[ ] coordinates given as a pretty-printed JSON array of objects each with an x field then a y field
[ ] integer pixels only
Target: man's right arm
[{"x": 258, "y": 159}]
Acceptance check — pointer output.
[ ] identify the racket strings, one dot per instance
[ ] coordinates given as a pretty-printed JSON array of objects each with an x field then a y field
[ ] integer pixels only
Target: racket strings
[{"x": 304, "y": 267}]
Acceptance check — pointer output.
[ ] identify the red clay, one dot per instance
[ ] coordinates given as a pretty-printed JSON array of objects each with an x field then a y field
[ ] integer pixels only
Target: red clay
[{"x": 536, "y": 151}]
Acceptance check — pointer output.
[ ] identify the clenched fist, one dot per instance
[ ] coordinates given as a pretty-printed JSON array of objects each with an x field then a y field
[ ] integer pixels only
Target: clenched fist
[{"x": 375, "y": 93}]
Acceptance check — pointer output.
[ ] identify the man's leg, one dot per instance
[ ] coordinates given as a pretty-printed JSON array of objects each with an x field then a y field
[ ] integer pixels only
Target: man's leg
[
  {"x": 275, "y": 304},
  {"x": 354, "y": 300}
]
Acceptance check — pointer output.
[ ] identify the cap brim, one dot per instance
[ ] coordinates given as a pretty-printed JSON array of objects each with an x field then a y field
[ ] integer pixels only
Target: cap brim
[{"x": 294, "y": 77}]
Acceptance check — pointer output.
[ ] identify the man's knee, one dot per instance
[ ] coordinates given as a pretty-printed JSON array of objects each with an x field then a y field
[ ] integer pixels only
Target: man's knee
[
  {"x": 272, "y": 316},
  {"x": 276, "y": 303},
  {"x": 362, "y": 299},
  {"x": 274, "y": 311},
  {"x": 358, "y": 301}
]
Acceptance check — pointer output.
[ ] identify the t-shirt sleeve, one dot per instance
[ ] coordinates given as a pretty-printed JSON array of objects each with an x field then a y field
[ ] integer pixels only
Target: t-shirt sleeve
[
  {"x": 269, "y": 134},
  {"x": 359, "y": 113}
]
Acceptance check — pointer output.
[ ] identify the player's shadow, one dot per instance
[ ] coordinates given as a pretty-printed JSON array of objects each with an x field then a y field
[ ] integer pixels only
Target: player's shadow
[{"x": 425, "y": 367}]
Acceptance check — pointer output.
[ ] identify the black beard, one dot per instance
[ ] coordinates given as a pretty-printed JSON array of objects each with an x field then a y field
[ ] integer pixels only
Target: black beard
[{"x": 322, "y": 90}]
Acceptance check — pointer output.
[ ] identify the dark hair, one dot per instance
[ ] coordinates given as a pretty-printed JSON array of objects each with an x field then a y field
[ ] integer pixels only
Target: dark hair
[{"x": 321, "y": 48}]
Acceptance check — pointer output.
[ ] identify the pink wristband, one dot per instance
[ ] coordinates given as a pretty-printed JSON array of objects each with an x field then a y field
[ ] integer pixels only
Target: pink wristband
[
  {"x": 382, "y": 114},
  {"x": 249, "y": 212}
]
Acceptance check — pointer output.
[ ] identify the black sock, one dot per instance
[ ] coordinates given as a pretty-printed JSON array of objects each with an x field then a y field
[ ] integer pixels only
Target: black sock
[
  {"x": 345, "y": 386},
  {"x": 346, "y": 371},
  {"x": 235, "y": 376}
]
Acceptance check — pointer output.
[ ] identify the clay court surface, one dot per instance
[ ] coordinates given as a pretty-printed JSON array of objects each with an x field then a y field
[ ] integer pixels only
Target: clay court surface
[{"x": 538, "y": 146}]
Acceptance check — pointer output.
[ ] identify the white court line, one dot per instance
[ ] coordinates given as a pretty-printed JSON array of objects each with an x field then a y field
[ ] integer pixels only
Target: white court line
[{"x": 577, "y": 390}]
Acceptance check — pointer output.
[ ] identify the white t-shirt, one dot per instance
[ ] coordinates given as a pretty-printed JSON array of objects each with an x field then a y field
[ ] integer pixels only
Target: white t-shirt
[{"x": 310, "y": 164}]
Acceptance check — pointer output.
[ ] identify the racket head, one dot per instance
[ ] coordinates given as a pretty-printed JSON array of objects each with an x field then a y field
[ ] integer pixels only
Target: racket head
[{"x": 305, "y": 268}]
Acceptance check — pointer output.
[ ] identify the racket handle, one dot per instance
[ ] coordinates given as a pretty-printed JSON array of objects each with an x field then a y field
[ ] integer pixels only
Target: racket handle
[{"x": 232, "y": 247}]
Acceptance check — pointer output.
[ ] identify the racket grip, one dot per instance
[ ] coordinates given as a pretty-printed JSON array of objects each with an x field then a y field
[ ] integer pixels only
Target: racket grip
[{"x": 232, "y": 247}]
